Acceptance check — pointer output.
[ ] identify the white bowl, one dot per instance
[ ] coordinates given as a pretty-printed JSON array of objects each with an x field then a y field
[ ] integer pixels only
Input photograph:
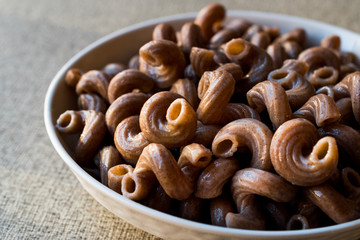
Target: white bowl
[{"x": 119, "y": 47}]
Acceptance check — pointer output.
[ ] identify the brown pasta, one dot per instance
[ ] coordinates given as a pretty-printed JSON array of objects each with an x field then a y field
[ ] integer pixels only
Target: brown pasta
[
  {"x": 127, "y": 81},
  {"x": 169, "y": 119},
  {"x": 255, "y": 62},
  {"x": 240, "y": 25},
  {"x": 111, "y": 69},
  {"x": 350, "y": 86},
  {"x": 202, "y": 60},
  {"x": 250, "y": 133},
  {"x": 191, "y": 208},
  {"x": 219, "y": 207},
  {"x": 164, "y": 31},
  {"x": 92, "y": 126},
  {"x": 205, "y": 134},
  {"x": 351, "y": 182},
  {"x": 162, "y": 60},
  {"x": 236, "y": 111},
  {"x": 223, "y": 36},
  {"x": 277, "y": 214},
  {"x": 190, "y": 36},
  {"x": 261, "y": 39},
  {"x": 292, "y": 49},
  {"x": 297, "y": 35},
  {"x": 172, "y": 176},
  {"x": 320, "y": 109},
  {"x": 187, "y": 89},
  {"x": 127, "y": 105},
  {"x": 94, "y": 81},
  {"x": 129, "y": 140},
  {"x": 215, "y": 90},
  {"x": 73, "y": 76},
  {"x": 297, "y": 222},
  {"x": 116, "y": 174},
  {"x": 234, "y": 69},
  {"x": 211, "y": 181},
  {"x": 291, "y": 77},
  {"x": 91, "y": 101},
  {"x": 108, "y": 157},
  {"x": 332, "y": 203},
  {"x": 271, "y": 96},
  {"x": 159, "y": 200},
  {"x": 209, "y": 19},
  {"x": 347, "y": 139},
  {"x": 299, "y": 156},
  {"x": 324, "y": 76},
  {"x": 249, "y": 182},
  {"x": 345, "y": 109},
  {"x": 277, "y": 53}
]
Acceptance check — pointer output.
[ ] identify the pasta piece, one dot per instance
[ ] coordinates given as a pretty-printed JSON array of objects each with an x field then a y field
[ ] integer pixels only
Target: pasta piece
[
  {"x": 219, "y": 207},
  {"x": 92, "y": 126},
  {"x": 94, "y": 81},
  {"x": 127, "y": 81},
  {"x": 277, "y": 53},
  {"x": 324, "y": 76},
  {"x": 212, "y": 179},
  {"x": 255, "y": 62},
  {"x": 234, "y": 69},
  {"x": 235, "y": 111},
  {"x": 240, "y": 25},
  {"x": 297, "y": 222},
  {"x": 277, "y": 214},
  {"x": 215, "y": 90},
  {"x": 345, "y": 109},
  {"x": 209, "y": 19},
  {"x": 164, "y": 31},
  {"x": 116, "y": 174},
  {"x": 127, "y": 105},
  {"x": 351, "y": 182},
  {"x": 187, "y": 89},
  {"x": 223, "y": 36},
  {"x": 300, "y": 157},
  {"x": 162, "y": 60},
  {"x": 129, "y": 140},
  {"x": 297, "y": 35},
  {"x": 169, "y": 119},
  {"x": 190, "y": 36},
  {"x": 191, "y": 208},
  {"x": 108, "y": 157},
  {"x": 320, "y": 109},
  {"x": 202, "y": 60},
  {"x": 73, "y": 76},
  {"x": 205, "y": 134},
  {"x": 272, "y": 96},
  {"x": 335, "y": 205},
  {"x": 111, "y": 69},
  {"x": 261, "y": 39},
  {"x": 91, "y": 101},
  {"x": 159, "y": 200},
  {"x": 249, "y": 133}
]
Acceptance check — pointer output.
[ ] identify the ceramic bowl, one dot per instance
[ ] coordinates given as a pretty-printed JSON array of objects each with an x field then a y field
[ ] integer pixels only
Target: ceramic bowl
[{"x": 119, "y": 47}]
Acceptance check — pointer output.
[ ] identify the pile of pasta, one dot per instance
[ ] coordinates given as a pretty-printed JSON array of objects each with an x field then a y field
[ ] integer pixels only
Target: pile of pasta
[{"x": 229, "y": 123}]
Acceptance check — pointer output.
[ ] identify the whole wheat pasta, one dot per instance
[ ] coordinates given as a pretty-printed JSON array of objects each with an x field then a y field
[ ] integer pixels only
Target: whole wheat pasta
[
  {"x": 159, "y": 200},
  {"x": 215, "y": 90},
  {"x": 107, "y": 157},
  {"x": 234, "y": 69},
  {"x": 247, "y": 132},
  {"x": 219, "y": 207},
  {"x": 276, "y": 214},
  {"x": 351, "y": 182},
  {"x": 162, "y": 60},
  {"x": 205, "y": 134},
  {"x": 92, "y": 126},
  {"x": 127, "y": 81},
  {"x": 111, "y": 69},
  {"x": 127, "y": 105},
  {"x": 235, "y": 111},
  {"x": 73, "y": 76},
  {"x": 299, "y": 156},
  {"x": 164, "y": 31},
  {"x": 191, "y": 208},
  {"x": 92, "y": 101},
  {"x": 190, "y": 36},
  {"x": 202, "y": 60},
  {"x": 129, "y": 140},
  {"x": 169, "y": 119},
  {"x": 270, "y": 95},
  {"x": 93, "y": 81},
  {"x": 297, "y": 222},
  {"x": 187, "y": 89},
  {"x": 345, "y": 109}
]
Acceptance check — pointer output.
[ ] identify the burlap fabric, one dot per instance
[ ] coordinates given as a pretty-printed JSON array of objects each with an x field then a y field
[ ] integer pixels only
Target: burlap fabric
[{"x": 39, "y": 196}]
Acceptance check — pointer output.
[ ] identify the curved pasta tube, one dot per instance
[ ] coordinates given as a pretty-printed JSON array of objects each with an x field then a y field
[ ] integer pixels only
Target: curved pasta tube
[
  {"x": 129, "y": 140},
  {"x": 347, "y": 139},
  {"x": 249, "y": 133},
  {"x": 345, "y": 109},
  {"x": 272, "y": 96},
  {"x": 297, "y": 222},
  {"x": 111, "y": 69},
  {"x": 277, "y": 214},
  {"x": 292, "y": 49},
  {"x": 92, "y": 126},
  {"x": 261, "y": 39},
  {"x": 320, "y": 109},
  {"x": 289, "y": 153},
  {"x": 324, "y": 76},
  {"x": 73, "y": 76},
  {"x": 164, "y": 31},
  {"x": 116, "y": 174},
  {"x": 215, "y": 90},
  {"x": 162, "y": 60},
  {"x": 94, "y": 81},
  {"x": 190, "y": 36},
  {"x": 202, "y": 60},
  {"x": 157, "y": 162},
  {"x": 212, "y": 179},
  {"x": 277, "y": 53},
  {"x": 169, "y": 119},
  {"x": 128, "y": 80},
  {"x": 209, "y": 19},
  {"x": 108, "y": 157},
  {"x": 219, "y": 207},
  {"x": 191, "y": 208},
  {"x": 234, "y": 69},
  {"x": 351, "y": 182},
  {"x": 298, "y": 90},
  {"x": 297, "y": 35},
  {"x": 332, "y": 203},
  {"x": 223, "y": 36},
  {"x": 255, "y": 62},
  {"x": 247, "y": 183},
  {"x": 327, "y": 90},
  {"x": 350, "y": 86},
  {"x": 158, "y": 200},
  {"x": 205, "y": 134},
  {"x": 91, "y": 101},
  {"x": 187, "y": 89},
  {"x": 127, "y": 105},
  {"x": 235, "y": 111}
]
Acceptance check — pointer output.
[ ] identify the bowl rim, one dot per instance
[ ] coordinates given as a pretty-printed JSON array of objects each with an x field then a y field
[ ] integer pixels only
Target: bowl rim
[{"x": 212, "y": 229}]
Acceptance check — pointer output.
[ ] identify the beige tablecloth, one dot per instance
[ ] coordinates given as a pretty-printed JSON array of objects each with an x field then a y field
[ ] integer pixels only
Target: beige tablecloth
[{"x": 39, "y": 196}]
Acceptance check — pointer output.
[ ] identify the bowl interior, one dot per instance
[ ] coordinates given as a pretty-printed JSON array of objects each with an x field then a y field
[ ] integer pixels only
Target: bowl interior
[{"x": 120, "y": 46}]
